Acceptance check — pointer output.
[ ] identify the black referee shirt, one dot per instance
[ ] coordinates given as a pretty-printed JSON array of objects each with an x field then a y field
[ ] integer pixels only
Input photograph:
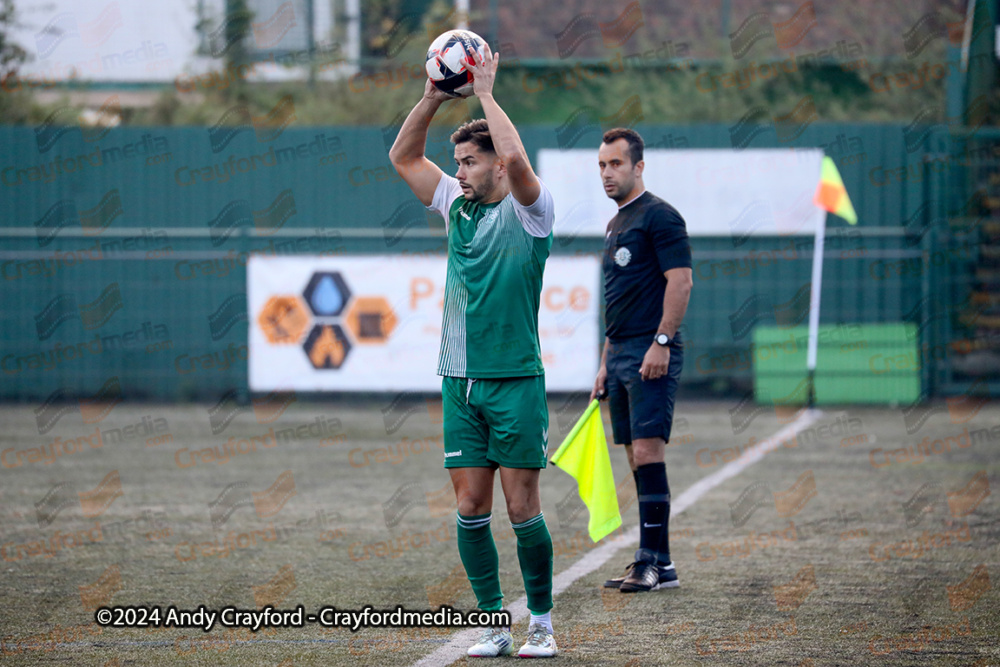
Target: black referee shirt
[{"x": 646, "y": 238}]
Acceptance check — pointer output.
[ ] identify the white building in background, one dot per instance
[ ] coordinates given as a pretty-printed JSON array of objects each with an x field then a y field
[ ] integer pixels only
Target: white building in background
[{"x": 158, "y": 41}]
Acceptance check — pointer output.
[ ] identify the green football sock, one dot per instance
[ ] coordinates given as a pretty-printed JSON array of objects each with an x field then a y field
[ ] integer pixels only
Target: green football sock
[
  {"x": 479, "y": 556},
  {"x": 534, "y": 551}
]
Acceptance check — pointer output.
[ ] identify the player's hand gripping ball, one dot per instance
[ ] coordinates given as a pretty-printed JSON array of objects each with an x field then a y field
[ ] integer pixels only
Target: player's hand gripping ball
[{"x": 447, "y": 58}]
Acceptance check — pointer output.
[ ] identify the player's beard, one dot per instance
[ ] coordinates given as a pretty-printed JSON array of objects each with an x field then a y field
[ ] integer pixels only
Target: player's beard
[
  {"x": 485, "y": 188},
  {"x": 621, "y": 190}
]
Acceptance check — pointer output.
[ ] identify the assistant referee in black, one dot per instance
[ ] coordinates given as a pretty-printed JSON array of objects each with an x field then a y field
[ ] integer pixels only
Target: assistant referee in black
[{"x": 647, "y": 283}]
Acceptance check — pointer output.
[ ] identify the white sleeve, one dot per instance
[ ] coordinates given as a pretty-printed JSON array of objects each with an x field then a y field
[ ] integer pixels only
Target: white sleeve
[
  {"x": 538, "y": 218},
  {"x": 448, "y": 190}
]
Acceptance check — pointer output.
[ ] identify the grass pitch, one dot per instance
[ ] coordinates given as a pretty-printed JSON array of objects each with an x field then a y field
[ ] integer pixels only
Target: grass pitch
[{"x": 858, "y": 542}]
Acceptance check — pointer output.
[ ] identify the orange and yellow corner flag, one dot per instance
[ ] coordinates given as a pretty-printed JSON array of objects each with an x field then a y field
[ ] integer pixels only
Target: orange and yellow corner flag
[
  {"x": 831, "y": 193},
  {"x": 584, "y": 456}
]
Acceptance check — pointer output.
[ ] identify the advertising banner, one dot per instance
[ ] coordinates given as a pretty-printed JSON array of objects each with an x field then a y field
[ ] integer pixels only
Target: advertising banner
[
  {"x": 738, "y": 193},
  {"x": 374, "y": 323}
]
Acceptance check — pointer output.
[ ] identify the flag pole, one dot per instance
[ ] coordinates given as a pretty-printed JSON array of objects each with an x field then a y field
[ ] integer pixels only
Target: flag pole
[
  {"x": 831, "y": 195},
  {"x": 815, "y": 289}
]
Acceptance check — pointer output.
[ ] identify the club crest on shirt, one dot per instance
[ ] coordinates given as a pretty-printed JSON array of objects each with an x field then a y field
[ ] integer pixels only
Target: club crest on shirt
[{"x": 623, "y": 256}]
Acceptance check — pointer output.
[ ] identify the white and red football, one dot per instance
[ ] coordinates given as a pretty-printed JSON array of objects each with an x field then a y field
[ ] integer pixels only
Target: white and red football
[{"x": 447, "y": 57}]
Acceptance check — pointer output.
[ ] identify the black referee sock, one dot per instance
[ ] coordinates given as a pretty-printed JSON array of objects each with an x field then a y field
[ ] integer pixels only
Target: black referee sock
[
  {"x": 654, "y": 510},
  {"x": 664, "y": 557},
  {"x": 638, "y": 491}
]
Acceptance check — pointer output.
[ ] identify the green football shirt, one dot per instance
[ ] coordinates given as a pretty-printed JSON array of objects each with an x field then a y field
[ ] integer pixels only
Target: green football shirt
[{"x": 496, "y": 256}]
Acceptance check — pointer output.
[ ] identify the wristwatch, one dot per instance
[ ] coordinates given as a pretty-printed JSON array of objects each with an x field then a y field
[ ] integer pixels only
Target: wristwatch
[{"x": 663, "y": 339}]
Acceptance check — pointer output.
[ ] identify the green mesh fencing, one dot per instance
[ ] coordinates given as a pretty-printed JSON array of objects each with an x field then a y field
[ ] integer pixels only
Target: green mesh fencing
[{"x": 123, "y": 252}]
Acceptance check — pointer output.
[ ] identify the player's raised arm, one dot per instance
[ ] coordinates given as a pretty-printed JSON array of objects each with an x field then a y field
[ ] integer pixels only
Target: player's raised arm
[
  {"x": 407, "y": 152},
  {"x": 520, "y": 176}
]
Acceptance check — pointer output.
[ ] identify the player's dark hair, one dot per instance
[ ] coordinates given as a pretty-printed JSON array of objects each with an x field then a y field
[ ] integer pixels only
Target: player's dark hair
[
  {"x": 476, "y": 131},
  {"x": 635, "y": 142}
]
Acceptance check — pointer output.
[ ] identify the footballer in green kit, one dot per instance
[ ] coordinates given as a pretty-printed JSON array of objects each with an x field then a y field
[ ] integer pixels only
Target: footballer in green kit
[{"x": 499, "y": 219}]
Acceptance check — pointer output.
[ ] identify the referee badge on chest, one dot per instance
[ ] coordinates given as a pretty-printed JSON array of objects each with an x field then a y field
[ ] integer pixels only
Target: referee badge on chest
[{"x": 623, "y": 256}]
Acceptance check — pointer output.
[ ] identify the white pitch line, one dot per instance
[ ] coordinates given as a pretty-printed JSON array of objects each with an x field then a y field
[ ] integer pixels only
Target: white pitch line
[{"x": 595, "y": 558}]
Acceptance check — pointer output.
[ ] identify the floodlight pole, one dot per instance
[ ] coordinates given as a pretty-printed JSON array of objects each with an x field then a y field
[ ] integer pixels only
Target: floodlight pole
[
  {"x": 462, "y": 14},
  {"x": 311, "y": 41}
]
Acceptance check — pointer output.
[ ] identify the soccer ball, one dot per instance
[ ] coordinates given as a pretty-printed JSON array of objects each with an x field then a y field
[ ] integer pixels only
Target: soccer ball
[{"x": 447, "y": 58}]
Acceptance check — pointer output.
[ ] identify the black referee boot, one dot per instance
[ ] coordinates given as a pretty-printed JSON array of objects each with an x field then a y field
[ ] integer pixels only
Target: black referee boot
[{"x": 645, "y": 575}]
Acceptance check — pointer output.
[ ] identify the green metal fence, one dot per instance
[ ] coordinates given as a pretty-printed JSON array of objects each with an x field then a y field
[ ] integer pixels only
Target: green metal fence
[
  {"x": 153, "y": 225},
  {"x": 964, "y": 261}
]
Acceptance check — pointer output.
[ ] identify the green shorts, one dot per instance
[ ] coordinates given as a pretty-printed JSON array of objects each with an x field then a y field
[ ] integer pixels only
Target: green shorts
[{"x": 491, "y": 422}]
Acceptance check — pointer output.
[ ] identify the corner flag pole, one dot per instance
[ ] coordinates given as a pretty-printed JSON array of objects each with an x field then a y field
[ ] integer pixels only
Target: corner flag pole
[
  {"x": 814, "y": 295},
  {"x": 831, "y": 195}
]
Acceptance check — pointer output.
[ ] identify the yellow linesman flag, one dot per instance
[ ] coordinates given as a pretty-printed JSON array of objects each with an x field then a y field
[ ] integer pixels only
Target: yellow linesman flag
[
  {"x": 831, "y": 193},
  {"x": 584, "y": 456}
]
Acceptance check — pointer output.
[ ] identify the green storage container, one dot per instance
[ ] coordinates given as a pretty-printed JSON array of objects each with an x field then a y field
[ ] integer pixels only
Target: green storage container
[{"x": 855, "y": 363}]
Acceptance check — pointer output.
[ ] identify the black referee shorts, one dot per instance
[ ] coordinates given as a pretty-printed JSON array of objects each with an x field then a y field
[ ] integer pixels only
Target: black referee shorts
[{"x": 640, "y": 408}]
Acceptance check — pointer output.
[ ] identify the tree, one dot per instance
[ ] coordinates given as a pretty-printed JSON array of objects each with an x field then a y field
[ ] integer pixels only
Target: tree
[{"x": 11, "y": 53}]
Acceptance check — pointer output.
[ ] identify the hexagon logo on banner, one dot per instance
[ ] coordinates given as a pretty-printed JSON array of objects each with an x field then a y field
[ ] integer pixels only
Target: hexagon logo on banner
[
  {"x": 327, "y": 294},
  {"x": 371, "y": 319},
  {"x": 283, "y": 319},
  {"x": 327, "y": 346}
]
